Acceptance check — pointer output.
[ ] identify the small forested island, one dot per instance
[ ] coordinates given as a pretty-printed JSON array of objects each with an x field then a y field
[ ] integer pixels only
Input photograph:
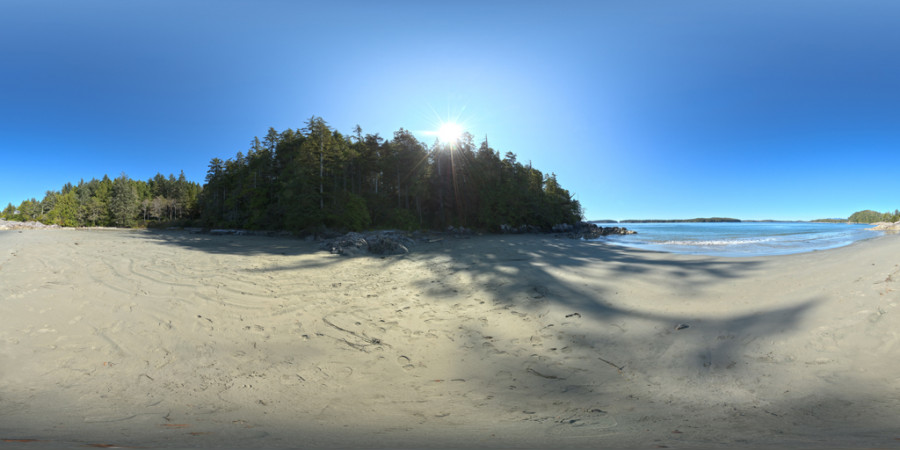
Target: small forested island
[
  {"x": 866, "y": 216},
  {"x": 869, "y": 216},
  {"x": 308, "y": 179}
]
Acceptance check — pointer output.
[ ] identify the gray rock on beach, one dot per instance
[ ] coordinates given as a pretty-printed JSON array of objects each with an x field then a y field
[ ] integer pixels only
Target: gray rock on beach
[
  {"x": 14, "y": 225},
  {"x": 885, "y": 226},
  {"x": 378, "y": 243}
]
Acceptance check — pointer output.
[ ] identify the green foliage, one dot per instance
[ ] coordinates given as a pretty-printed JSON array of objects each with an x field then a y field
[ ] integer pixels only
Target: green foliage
[
  {"x": 123, "y": 202},
  {"x": 66, "y": 210},
  {"x": 869, "y": 216},
  {"x": 309, "y": 178},
  {"x": 349, "y": 212},
  {"x": 312, "y": 177},
  {"x": 402, "y": 219}
]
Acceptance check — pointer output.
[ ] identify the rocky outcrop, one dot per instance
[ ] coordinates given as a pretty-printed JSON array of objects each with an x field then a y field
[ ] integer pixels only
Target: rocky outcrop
[
  {"x": 14, "y": 225},
  {"x": 460, "y": 231},
  {"x": 586, "y": 230},
  {"x": 509, "y": 229},
  {"x": 885, "y": 226},
  {"x": 581, "y": 230},
  {"x": 378, "y": 243}
]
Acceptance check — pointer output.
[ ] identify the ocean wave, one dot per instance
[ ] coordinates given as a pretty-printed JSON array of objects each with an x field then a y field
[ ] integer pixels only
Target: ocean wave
[
  {"x": 717, "y": 242},
  {"x": 743, "y": 239}
]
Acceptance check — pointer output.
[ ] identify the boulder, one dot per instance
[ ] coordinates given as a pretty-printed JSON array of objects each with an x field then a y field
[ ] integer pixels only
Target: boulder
[
  {"x": 15, "y": 225},
  {"x": 885, "y": 226},
  {"x": 389, "y": 244},
  {"x": 379, "y": 243},
  {"x": 584, "y": 230}
]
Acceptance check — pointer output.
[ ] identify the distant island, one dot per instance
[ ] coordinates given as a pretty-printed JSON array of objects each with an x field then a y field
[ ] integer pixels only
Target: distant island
[
  {"x": 866, "y": 216},
  {"x": 699, "y": 219}
]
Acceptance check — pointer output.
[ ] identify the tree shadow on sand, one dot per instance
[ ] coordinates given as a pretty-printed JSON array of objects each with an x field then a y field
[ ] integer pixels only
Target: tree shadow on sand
[{"x": 573, "y": 336}]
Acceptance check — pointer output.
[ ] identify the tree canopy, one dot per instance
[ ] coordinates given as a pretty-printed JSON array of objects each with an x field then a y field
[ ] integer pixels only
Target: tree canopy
[
  {"x": 303, "y": 179},
  {"x": 122, "y": 202},
  {"x": 869, "y": 216},
  {"x": 315, "y": 177}
]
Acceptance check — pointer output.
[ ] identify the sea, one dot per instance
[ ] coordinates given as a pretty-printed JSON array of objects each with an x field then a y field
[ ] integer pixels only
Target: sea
[{"x": 739, "y": 239}]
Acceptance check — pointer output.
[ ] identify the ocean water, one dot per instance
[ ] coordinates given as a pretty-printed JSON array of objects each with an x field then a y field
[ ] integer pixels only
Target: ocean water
[{"x": 741, "y": 238}]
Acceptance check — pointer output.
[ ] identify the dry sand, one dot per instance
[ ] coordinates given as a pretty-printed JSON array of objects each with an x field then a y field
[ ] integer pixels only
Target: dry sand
[{"x": 156, "y": 339}]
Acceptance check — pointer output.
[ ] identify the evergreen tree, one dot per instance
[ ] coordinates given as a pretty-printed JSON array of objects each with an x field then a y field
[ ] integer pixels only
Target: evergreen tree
[
  {"x": 9, "y": 212},
  {"x": 316, "y": 177},
  {"x": 47, "y": 203},
  {"x": 65, "y": 210},
  {"x": 123, "y": 201}
]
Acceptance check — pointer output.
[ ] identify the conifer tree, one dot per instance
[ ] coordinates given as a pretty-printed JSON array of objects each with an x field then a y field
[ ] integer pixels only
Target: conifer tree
[{"x": 123, "y": 201}]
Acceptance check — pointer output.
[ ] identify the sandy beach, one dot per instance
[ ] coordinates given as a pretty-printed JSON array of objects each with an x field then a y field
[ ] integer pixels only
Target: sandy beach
[{"x": 171, "y": 339}]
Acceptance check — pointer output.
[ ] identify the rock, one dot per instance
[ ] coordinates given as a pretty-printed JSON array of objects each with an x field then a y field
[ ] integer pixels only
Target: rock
[
  {"x": 15, "y": 225},
  {"x": 460, "y": 230},
  {"x": 885, "y": 226},
  {"x": 389, "y": 245},
  {"x": 521, "y": 229},
  {"x": 347, "y": 244},
  {"x": 588, "y": 231},
  {"x": 379, "y": 243}
]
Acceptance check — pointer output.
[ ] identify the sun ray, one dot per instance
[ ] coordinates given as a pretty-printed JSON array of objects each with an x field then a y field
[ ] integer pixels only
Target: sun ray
[
  {"x": 446, "y": 128},
  {"x": 449, "y": 132}
]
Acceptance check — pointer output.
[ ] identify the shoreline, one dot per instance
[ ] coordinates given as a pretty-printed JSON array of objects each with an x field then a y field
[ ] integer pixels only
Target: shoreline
[{"x": 165, "y": 338}]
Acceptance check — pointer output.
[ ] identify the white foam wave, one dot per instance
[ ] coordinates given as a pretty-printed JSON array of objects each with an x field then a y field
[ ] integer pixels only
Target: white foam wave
[{"x": 718, "y": 242}]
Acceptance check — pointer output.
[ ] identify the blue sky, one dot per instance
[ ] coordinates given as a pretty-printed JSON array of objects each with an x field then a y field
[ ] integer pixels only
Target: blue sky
[{"x": 644, "y": 109}]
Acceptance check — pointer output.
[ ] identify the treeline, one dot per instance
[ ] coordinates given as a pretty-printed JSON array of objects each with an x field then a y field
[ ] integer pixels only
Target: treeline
[
  {"x": 314, "y": 177},
  {"x": 869, "y": 216},
  {"x": 122, "y": 202},
  {"x": 307, "y": 179}
]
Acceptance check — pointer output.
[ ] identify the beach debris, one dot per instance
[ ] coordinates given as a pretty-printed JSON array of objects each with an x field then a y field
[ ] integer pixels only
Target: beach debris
[
  {"x": 573, "y": 315},
  {"x": 619, "y": 368},
  {"x": 378, "y": 243},
  {"x": 549, "y": 377},
  {"x": 682, "y": 326},
  {"x": 360, "y": 336}
]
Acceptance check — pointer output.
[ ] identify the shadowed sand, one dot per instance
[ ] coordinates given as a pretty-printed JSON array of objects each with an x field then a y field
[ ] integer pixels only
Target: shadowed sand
[{"x": 154, "y": 339}]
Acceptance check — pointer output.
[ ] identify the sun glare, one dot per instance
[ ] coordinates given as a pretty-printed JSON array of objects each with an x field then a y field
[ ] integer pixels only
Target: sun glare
[{"x": 449, "y": 132}]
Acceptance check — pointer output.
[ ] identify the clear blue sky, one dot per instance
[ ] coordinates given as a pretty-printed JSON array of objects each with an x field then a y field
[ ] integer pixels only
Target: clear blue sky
[{"x": 644, "y": 109}]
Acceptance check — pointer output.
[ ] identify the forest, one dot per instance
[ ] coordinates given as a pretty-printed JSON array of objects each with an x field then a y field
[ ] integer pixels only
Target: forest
[
  {"x": 869, "y": 216},
  {"x": 122, "y": 202},
  {"x": 315, "y": 178},
  {"x": 866, "y": 216}
]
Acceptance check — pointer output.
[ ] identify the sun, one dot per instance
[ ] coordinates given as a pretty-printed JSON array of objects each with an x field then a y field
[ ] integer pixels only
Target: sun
[{"x": 449, "y": 132}]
